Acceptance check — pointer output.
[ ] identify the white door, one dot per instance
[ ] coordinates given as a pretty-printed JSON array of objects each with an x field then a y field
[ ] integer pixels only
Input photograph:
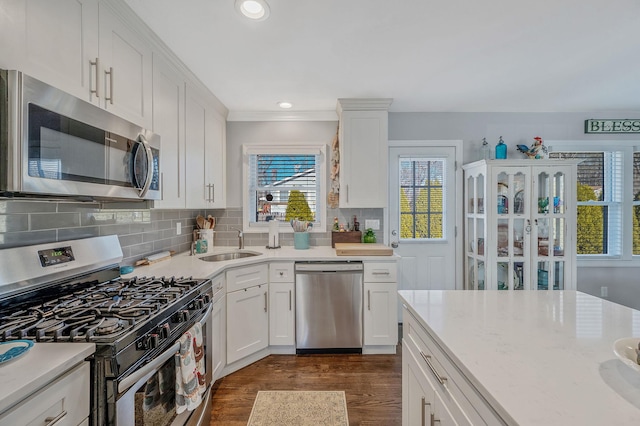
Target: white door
[{"x": 424, "y": 214}]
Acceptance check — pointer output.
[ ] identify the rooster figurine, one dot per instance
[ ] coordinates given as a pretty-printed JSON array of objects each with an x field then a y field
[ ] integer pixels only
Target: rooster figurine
[{"x": 536, "y": 151}]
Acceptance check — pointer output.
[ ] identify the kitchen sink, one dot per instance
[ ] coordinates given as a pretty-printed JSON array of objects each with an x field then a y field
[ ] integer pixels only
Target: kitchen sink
[{"x": 219, "y": 257}]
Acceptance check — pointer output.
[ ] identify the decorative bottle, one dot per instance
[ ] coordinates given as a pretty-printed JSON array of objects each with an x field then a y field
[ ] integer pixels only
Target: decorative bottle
[
  {"x": 501, "y": 150},
  {"x": 485, "y": 150}
]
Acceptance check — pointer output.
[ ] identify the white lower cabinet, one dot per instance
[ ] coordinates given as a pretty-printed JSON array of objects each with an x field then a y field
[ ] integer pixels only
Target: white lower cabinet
[
  {"x": 219, "y": 326},
  {"x": 380, "y": 304},
  {"x": 247, "y": 312},
  {"x": 282, "y": 299},
  {"x": 434, "y": 391},
  {"x": 63, "y": 402}
]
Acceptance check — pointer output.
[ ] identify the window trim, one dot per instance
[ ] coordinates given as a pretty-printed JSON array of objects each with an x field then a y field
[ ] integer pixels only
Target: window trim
[
  {"x": 626, "y": 259},
  {"x": 298, "y": 149}
]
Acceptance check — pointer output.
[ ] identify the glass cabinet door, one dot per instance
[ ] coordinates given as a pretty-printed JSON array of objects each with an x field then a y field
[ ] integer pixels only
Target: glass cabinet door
[{"x": 550, "y": 228}]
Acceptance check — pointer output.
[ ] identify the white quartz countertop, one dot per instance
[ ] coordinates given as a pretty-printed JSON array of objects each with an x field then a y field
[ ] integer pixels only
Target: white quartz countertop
[
  {"x": 545, "y": 358},
  {"x": 44, "y": 362},
  {"x": 183, "y": 264}
]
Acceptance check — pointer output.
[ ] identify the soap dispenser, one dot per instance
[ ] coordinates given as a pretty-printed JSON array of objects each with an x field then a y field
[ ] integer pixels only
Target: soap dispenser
[{"x": 501, "y": 150}]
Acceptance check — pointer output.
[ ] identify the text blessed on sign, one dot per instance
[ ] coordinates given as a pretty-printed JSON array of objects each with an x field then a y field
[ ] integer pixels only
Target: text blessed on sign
[{"x": 612, "y": 126}]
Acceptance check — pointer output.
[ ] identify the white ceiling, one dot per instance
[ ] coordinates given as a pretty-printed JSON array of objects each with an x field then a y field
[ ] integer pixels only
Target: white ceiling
[{"x": 428, "y": 55}]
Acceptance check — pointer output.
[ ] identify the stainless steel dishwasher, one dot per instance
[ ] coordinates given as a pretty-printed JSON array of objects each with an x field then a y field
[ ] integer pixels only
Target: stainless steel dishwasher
[{"x": 329, "y": 307}]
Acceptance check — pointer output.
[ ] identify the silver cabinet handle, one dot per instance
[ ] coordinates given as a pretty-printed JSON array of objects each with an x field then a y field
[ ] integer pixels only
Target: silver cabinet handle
[
  {"x": 347, "y": 192},
  {"x": 427, "y": 359},
  {"x": 96, "y": 64},
  {"x": 110, "y": 74},
  {"x": 289, "y": 299},
  {"x": 380, "y": 273},
  {"x": 213, "y": 192},
  {"x": 369, "y": 300},
  {"x": 50, "y": 421},
  {"x": 422, "y": 417},
  {"x": 265, "y": 301}
]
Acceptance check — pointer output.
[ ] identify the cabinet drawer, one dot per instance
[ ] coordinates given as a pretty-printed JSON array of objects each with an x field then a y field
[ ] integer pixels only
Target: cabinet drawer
[
  {"x": 381, "y": 272},
  {"x": 66, "y": 398},
  {"x": 281, "y": 272},
  {"x": 217, "y": 283},
  {"x": 456, "y": 390},
  {"x": 249, "y": 276}
]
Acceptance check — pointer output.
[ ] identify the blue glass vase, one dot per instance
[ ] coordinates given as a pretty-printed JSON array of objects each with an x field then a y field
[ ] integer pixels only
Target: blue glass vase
[{"x": 501, "y": 150}]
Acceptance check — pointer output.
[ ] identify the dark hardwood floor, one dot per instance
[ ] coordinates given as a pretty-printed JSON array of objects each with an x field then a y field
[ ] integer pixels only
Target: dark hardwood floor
[{"x": 372, "y": 385}]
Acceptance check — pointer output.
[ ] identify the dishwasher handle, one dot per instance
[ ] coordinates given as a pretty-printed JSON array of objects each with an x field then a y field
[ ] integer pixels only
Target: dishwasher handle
[{"x": 328, "y": 267}]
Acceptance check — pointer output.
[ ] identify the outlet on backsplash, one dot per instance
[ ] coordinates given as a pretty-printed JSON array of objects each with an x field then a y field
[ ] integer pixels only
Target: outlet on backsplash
[{"x": 372, "y": 223}]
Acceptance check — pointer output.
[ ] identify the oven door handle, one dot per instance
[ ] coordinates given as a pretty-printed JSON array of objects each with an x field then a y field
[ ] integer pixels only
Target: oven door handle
[{"x": 134, "y": 377}]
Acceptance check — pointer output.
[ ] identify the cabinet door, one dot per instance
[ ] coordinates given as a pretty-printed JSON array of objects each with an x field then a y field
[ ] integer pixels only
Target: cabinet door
[
  {"x": 247, "y": 322},
  {"x": 216, "y": 162},
  {"x": 363, "y": 159},
  {"x": 417, "y": 395},
  {"x": 510, "y": 230},
  {"x": 218, "y": 316},
  {"x": 380, "y": 314},
  {"x": 168, "y": 122},
  {"x": 55, "y": 42},
  {"x": 282, "y": 314},
  {"x": 554, "y": 218},
  {"x": 196, "y": 189},
  {"x": 125, "y": 59}
]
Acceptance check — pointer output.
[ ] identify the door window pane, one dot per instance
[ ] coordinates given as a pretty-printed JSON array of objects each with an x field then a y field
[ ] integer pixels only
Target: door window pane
[{"x": 422, "y": 188}]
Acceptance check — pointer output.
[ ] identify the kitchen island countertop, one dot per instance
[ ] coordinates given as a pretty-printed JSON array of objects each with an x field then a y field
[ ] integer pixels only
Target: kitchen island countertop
[{"x": 538, "y": 357}]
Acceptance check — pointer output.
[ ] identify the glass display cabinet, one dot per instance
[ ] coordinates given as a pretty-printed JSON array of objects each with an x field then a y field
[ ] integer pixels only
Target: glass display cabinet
[{"x": 520, "y": 224}]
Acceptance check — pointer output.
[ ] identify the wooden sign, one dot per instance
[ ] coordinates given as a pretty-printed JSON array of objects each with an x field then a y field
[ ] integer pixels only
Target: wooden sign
[{"x": 625, "y": 125}]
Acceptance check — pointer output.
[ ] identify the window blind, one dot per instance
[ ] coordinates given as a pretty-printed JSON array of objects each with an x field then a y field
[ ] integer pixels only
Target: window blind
[{"x": 272, "y": 177}]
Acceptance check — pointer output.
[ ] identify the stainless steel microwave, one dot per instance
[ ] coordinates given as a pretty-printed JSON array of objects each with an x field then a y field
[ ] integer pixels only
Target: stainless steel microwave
[{"x": 54, "y": 144}]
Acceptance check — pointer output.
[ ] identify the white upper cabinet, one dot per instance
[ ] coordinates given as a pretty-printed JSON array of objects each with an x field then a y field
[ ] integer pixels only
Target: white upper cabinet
[
  {"x": 53, "y": 41},
  {"x": 168, "y": 122},
  {"x": 363, "y": 140},
  {"x": 125, "y": 69},
  {"x": 205, "y": 155},
  {"x": 83, "y": 47}
]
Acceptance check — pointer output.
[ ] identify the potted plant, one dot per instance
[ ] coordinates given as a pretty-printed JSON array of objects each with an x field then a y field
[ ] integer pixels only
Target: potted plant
[{"x": 369, "y": 236}]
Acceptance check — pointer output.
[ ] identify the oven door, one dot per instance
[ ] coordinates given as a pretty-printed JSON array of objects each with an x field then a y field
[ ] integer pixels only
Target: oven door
[{"x": 146, "y": 394}]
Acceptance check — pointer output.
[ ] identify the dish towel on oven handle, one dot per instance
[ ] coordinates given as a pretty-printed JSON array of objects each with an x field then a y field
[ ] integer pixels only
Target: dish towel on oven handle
[{"x": 190, "y": 373}]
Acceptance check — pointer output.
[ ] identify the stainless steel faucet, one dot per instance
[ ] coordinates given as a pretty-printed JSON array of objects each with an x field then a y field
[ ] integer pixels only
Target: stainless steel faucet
[{"x": 240, "y": 238}]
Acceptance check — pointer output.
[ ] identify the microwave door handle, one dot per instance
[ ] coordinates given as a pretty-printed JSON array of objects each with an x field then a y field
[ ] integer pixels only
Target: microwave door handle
[{"x": 147, "y": 183}]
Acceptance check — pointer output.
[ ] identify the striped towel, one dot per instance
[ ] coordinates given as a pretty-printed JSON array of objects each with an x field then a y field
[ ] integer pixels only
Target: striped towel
[{"x": 190, "y": 374}]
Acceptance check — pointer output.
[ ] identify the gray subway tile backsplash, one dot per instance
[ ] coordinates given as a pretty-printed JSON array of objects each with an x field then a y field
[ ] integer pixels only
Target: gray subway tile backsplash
[{"x": 141, "y": 231}]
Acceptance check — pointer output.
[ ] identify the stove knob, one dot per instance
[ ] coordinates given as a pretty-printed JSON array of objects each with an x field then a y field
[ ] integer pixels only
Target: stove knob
[
  {"x": 199, "y": 304},
  {"x": 207, "y": 298},
  {"x": 153, "y": 341},
  {"x": 182, "y": 316},
  {"x": 163, "y": 331}
]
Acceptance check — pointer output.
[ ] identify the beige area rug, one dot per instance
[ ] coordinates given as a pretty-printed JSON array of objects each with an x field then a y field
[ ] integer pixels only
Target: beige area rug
[{"x": 299, "y": 408}]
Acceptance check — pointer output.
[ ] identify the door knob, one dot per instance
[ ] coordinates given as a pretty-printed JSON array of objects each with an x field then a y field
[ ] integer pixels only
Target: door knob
[{"x": 394, "y": 244}]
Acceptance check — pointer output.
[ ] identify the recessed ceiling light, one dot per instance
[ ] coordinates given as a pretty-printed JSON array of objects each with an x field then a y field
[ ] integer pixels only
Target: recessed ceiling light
[
  {"x": 285, "y": 105},
  {"x": 257, "y": 10}
]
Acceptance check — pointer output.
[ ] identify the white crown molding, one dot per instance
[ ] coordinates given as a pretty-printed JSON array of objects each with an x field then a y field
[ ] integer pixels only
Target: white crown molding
[{"x": 282, "y": 116}]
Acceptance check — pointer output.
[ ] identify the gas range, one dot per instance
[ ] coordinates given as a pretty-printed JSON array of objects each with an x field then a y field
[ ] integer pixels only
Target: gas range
[{"x": 72, "y": 292}]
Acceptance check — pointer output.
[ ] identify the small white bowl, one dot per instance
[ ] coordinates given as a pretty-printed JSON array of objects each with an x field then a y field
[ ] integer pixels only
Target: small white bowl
[{"x": 627, "y": 351}]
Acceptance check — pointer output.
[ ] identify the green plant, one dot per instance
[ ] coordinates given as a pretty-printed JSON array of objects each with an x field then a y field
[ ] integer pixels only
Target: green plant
[{"x": 298, "y": 208}]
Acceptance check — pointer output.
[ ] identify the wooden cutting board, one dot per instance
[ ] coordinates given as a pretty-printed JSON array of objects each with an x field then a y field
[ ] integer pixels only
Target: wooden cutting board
[{"x": 362, "y": 249}]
